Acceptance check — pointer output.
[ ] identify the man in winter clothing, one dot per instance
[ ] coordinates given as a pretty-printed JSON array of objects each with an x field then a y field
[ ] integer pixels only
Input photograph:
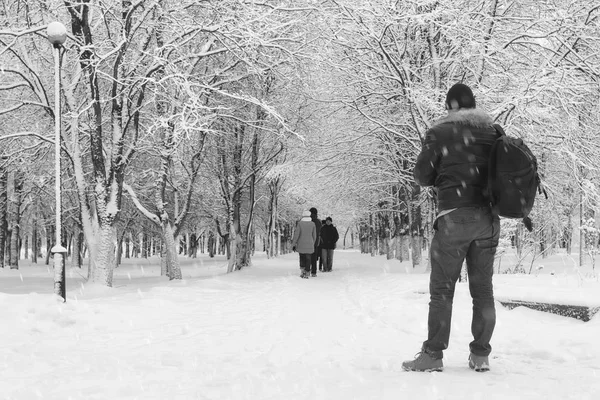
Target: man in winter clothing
[
  {"x": 454, "y": 160},
  {"x": 303, "y": 242},
  {"x": 315, "y": 256},
  {"x": 329, "y": 237}
]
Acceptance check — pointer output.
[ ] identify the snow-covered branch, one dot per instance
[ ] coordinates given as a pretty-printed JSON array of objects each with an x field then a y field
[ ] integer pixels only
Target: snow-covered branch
[{"x": 152, "y": 217}]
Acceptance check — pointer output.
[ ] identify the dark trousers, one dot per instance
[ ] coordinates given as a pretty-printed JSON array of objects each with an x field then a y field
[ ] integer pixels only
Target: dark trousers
[
  {"x": 320, "y": 258},
  {"x": 469, "y": 234},
  {"x": 313, "y": 261},
  {"x": 305, "y": 259},
  {"x": 327, "y": 257}
]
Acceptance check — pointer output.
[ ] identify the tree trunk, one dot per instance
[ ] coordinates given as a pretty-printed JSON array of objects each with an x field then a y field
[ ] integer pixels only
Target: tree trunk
[
  {"x": 416, "y": 230},
  {"x": 543, "y": 242},
  {"x": 417, "y": 250},
  {"x": 135, "y": 244},
  {"x": 212, "y": 247},
  {"x": 232, "y": 250},
  {"x": 344, "y": 244},
  {"x": 144, "y": 245},
  {"x": 15, "y": 211},
  {"x": 398, "y": 248},
  {"x": 569, "y": 235},
  {"x": 102, "y": 256},
  {"x": 390, "y": 248},
  {"x": 581, "y": 232},
  {"x": 34, "y": 241},
  {"x": 68, "y": 239},
  {"x": 127, "y": 244},
  {"x": 3, "y": 211},
  {"x": 185, "y": 243},
  {"x": 372, "y": 240},
  {"x": 7, "y": 248},
  {"x": 49, "y": 239},
  {"x": 193, "y": 242},
  {"x": 405, "y": 244},
  {"x": 429, "y": 231},
  {"x": 382, "y": 232},
  {"x": 164, "y": 268},
  {"x": 238, "y": 235},
  {"x": 272, "y": 209},
  {"x": 242, "y": 252},
  {"x": 26, "y": 246},
  {"x": 278, "y": 240},
  {"x": 76, "y": 261},
  {"x": 120, "y": 246},
  {"x": 170, "y": 252},
  {"x": 519, "y": 240}
]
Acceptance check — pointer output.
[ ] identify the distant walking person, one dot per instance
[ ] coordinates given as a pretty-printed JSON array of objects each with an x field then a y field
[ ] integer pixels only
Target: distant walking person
[
  {"x": 316, "y": 255},
  {"x": 303, "y": 242},
  {"x": 329, "y": 237},
  {"x": 454, "y": 160}
]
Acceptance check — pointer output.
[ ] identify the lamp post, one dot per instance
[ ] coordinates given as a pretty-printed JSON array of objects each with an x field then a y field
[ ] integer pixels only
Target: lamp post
[{"x": 57, "y": 34}]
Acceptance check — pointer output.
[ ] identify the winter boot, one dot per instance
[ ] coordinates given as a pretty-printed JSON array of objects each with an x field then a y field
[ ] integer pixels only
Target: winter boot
[
  {"x": 423, "y": 362},
  {"x": 303, "y": 274},
  {"x": 479, "y": 363}
]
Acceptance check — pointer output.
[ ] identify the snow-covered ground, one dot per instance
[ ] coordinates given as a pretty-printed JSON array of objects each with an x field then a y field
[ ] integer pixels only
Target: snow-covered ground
[{"x": 264, "y": 333}]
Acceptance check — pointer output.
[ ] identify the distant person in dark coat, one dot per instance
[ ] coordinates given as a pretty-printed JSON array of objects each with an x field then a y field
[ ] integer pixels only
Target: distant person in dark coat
[
  {"x": 303, "y": 242},
  {"x": 329, "y": 237},
  {"x": 315, "y": 256}
]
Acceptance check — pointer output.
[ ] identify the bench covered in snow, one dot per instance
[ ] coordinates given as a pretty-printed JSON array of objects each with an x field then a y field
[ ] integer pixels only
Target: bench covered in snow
[{"x": 584, "y": 313}]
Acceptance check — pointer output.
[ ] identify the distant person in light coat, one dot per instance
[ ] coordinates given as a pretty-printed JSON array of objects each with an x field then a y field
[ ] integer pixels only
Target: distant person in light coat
[{"x": 303, "y": 241}]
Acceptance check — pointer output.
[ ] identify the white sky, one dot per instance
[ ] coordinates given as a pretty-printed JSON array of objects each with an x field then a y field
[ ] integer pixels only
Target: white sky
[{"x": 264, "y": 333}]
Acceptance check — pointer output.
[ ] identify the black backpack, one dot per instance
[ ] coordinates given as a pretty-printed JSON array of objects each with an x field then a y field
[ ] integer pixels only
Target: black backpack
[{"x": 513, "y": 180}]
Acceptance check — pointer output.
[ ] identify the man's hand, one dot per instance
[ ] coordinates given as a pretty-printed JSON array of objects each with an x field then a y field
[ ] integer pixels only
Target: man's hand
[{"x": 294, "y": 249}]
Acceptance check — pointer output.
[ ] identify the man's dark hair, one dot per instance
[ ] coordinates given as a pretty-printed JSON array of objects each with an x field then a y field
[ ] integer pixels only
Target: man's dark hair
[
  {"x": 313, "y": 211},
  {"x": 460, "y": 96}
]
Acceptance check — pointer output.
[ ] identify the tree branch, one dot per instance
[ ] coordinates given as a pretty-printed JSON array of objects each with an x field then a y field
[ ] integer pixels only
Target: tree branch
[{"x": 152, "y": 217}]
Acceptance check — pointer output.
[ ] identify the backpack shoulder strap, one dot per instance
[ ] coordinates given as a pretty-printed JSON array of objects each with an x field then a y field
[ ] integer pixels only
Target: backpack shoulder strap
[
  {"x": 500, "y": 136},
  {"x": 499, "y": 130}
]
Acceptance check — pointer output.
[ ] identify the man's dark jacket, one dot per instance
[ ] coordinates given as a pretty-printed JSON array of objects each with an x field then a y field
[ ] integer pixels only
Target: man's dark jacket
[
  {"x": 329, "y": 236},
  {"x": 317, "y": 222},
  {"x": 455, "y": 159}
]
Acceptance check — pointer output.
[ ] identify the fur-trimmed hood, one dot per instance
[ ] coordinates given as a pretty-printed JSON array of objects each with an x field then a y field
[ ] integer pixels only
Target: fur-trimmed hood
[{"x": 468, "y": 116}]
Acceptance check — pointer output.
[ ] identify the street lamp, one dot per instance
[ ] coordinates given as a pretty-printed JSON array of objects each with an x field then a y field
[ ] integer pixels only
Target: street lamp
[{"x": 57, "y": 34}]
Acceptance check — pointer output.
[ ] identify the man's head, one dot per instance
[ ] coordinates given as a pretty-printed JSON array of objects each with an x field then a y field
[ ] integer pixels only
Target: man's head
[
  {"x": 313, "y": 212},
  {"x": 459, "y": 96},
  {"x": 306, "y": 213},
  {"x": 328, "y": 221}
]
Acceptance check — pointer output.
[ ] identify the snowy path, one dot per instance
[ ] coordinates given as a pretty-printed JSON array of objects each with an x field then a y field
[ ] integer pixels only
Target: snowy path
[{"x": 264, "y": 333}]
